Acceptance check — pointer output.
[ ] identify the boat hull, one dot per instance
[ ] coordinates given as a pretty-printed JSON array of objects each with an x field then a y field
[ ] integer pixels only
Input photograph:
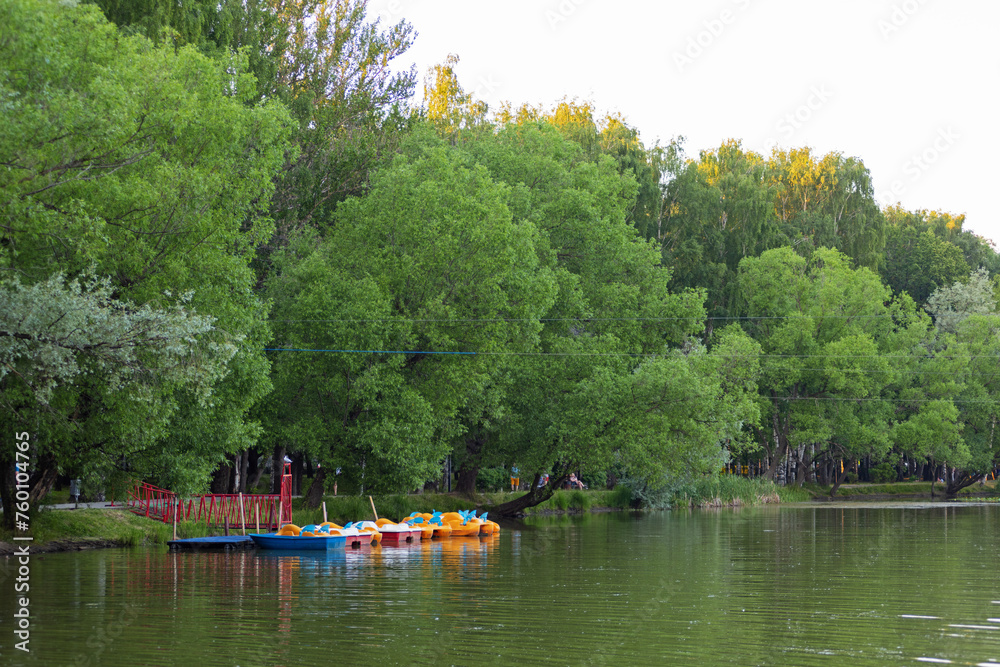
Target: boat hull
[{"x": 317, "y": 543}]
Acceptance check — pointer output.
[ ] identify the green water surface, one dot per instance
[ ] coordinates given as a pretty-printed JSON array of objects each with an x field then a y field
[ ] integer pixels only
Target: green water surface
[{"x": 844, "y": 584}]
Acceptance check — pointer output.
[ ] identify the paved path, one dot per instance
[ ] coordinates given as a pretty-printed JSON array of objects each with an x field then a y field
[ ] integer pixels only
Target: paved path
[{"x": 104, "y": 504}]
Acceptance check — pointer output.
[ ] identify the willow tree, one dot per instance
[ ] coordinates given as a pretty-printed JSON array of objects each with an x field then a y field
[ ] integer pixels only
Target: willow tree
[
  {"x": 718, "y": 210},
  {"x": 828, "y": 202},
  {"x": 965, "y": 314}
]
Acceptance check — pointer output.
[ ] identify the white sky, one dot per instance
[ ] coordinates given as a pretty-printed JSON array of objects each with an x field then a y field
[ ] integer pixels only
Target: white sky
[{"x": 908, "y": 86}]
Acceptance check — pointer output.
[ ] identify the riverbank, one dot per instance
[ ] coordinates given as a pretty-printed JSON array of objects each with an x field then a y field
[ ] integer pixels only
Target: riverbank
[
  {"x": 902, "y": 491},
  {"x": 77, "y": 529}
]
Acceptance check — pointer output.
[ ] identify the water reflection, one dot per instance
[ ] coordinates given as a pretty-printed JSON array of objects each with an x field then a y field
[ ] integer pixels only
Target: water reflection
[{"x": 794, "y": 585}]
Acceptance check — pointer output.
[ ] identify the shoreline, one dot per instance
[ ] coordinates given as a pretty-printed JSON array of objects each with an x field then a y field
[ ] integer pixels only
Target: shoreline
[{"x": 114, "y": 527}]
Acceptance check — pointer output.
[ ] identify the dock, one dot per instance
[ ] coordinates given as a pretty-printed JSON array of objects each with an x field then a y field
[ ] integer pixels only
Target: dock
[{"x": 216, "y": 543}]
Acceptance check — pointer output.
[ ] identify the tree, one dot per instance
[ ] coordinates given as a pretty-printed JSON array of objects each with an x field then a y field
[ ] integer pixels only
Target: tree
[
  {"x": 605, "y": 385},
  {"x": 145, "y": 166},
  {"x": 719, "y": 210},
  {"x": 976, "y": 250},
  {"x": 951, "y": 305},
  {"x": 968, "y": 312},
  {"x": 918, "y": 263},
  {"x": 58, "y": 338},
  {"x": 828, "y": 202},
  {"x": 829, "y": 334},
  {"x": 429, "y": 264}
]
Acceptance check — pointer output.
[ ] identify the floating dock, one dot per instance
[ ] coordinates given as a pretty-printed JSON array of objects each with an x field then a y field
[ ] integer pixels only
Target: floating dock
[{"x": 217, "y": 543}]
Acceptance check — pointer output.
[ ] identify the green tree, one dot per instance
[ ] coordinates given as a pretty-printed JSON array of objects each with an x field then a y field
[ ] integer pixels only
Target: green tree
[
  {"x": 827, "y": 332},
  {"x": 719, "y": 210},
  {"x": 828, "y": 202},
  {"x": 429, "y": 263},
  {"x": 918, "y": 263},
  {"x": 147, "y": 166},
  {"x": 605, "y": 372}
]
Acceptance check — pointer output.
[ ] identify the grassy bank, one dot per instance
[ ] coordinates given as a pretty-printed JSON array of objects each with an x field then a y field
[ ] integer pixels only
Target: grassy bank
[
  {"x": 87, "y": 528},
  {"x": 899, "y": 489},
  {"x": 729, "y": 491},
  {"x": 720, "y": 492}
]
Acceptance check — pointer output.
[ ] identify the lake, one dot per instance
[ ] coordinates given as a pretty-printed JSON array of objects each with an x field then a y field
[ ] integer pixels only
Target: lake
[{"x": 819, "y": 584}]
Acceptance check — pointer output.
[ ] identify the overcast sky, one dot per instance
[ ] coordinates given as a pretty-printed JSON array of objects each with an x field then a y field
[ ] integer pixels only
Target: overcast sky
[{"x": 908, "y": 86}]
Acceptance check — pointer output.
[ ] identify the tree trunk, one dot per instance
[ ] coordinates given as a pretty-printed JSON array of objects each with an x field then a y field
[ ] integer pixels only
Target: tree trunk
[
  {"x": 534, "y": 496},
  {"x": 803, "y": 465},
  {"x": 7, "y": 482},
  {"x": 44, "y": 477},
  {"x": 315, "y": 494},
  {"x": 236, "y": 480},
  {"x": 298, "y": 467},
  {"x": 221, "y": 478},
  {"x": 961, "y": 481},
  {"x": 244, "y": 465},
  {"x": 838, "y": 479},
  {"x": 469, "y": 470},
  {"x": 466, "y": 483},
  {"x": 254, "y": 470}
]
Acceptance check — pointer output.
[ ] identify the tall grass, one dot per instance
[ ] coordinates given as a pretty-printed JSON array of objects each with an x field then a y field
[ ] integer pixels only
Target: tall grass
[{"x": 713, "y": 491}]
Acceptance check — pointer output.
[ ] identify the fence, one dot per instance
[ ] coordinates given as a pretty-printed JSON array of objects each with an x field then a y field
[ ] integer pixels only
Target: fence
[{"x": 216, "y": 509}]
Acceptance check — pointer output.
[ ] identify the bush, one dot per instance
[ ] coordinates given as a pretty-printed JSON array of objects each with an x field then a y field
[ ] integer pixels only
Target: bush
[
  {"x": 493, "y": 479},
  {"x": 884, "y": 473},
  {"x": 622, "y": 497}
]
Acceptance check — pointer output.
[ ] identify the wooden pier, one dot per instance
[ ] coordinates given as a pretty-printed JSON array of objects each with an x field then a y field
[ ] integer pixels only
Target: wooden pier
[{"x": 216, "y": 543}]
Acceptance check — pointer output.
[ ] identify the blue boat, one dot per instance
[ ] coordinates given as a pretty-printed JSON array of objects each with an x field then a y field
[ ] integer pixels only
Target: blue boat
[{"x": 308, "y": 543}]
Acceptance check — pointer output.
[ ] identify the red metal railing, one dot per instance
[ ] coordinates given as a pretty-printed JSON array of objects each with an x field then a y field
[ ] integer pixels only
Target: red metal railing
[
  {"x": 216, "y": 509},
  {"x": 151, "y": 501}
]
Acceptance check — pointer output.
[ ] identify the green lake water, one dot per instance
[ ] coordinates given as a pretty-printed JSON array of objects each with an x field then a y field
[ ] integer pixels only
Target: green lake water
[{"x": 825, "y": 584}]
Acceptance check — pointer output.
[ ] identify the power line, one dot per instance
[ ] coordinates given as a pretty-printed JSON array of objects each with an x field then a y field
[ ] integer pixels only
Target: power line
[
  {"x": 495, "y": 320},
  {"x": 659, "y": 354}
]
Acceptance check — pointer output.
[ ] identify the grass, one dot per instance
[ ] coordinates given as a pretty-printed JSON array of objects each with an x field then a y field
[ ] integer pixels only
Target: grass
[
  {"x": 341, "y": 509},
  {"x": 898, "y": 489},
  {"x": 102, "y": 526},
  {"x": 734, "y": 491}
]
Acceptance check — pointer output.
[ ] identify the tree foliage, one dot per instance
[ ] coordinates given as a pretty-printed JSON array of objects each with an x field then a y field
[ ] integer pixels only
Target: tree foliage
[{"x": 149, "y": 169}]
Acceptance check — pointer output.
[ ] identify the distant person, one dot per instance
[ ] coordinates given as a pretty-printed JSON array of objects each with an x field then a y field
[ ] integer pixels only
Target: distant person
[
  {"x": 573, "y": 481},
  {"x": 515, "y": 479}
]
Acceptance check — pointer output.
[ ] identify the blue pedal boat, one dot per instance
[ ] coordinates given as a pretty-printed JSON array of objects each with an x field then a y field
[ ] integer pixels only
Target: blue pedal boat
[{"x": 308, "y": 543}]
